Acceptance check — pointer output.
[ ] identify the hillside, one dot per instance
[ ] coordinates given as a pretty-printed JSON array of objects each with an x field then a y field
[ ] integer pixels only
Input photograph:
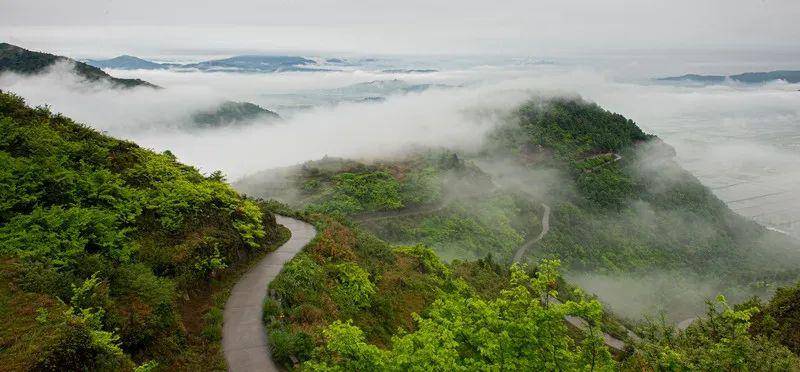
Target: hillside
[
  {"x": 110, "y": 254},
  {"x": 353, "y": 302},
  {"x": 348, "y": 301},
  {"x": 23, "y": 61},
  {"x": 620, "y": 204}
]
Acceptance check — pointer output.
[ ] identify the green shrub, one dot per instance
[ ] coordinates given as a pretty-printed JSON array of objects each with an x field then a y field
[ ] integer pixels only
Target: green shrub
[
  {"x": 285, "y": 344},
  {"x": 353, "y": 288},
  {"x": 299, "y": 279},
  {"x": 271, "y": 308}
]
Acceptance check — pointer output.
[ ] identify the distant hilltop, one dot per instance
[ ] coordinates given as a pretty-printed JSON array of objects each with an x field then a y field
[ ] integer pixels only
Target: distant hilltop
[
  {"x": 790, "y": 76},
  {"x": 125, "y": 62},
  {"x": 23, "y": 61}
]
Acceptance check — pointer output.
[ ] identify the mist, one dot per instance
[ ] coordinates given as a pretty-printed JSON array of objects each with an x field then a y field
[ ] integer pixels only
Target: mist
[
  {"x": 456, "y": 118},
  {"x": 740, "y": 140},
  {"x": 678, "y": 295}
]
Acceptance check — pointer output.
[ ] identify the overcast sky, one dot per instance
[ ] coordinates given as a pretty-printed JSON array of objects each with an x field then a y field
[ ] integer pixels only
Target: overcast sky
[{"x": 108, "y": 27}]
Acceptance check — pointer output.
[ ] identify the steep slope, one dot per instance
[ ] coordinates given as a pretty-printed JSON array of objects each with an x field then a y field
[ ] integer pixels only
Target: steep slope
[
  {"x": 632, "y": 207},
  {"x": 619, "y": 202},
  {"x": 621, "y": 206},
  {"x": 23, "y": 61},
  {"x": 110, "y": 253}
]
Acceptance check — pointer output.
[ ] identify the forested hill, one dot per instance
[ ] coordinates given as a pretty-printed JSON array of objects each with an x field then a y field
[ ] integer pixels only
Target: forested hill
[
  {"x": 108, "y": 250},
  {"x": 628, "y": 206},
  {"x": 230, "y": 113},
  {"x": 620, "y": 204},
  {"x": 23, "y": 61}
]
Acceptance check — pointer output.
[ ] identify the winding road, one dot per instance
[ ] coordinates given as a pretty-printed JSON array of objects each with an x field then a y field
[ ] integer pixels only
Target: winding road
[
  {"x": 545, "y": 228},
  {"x": 244, "y": 340},
  {"x": 575, "y": 321}
]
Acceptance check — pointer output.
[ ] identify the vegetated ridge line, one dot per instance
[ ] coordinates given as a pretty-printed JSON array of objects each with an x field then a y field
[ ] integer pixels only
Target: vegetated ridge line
[{"x": 244, "y": 340}]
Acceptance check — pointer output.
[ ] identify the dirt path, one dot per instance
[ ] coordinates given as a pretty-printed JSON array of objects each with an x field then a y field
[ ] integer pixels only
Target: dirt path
[{"x": 244, "y": 339}]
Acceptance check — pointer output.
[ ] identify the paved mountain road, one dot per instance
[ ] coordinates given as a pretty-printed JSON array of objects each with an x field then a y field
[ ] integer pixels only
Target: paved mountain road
[
  {"x": 575, "y": 321},
  {"x": 244, "y": 340},
  {"x": 545, "y": 228}
]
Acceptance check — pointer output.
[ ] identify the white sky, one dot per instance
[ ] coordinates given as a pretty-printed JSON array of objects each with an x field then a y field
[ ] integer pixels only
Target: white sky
[{"x": 110, "y": 27}]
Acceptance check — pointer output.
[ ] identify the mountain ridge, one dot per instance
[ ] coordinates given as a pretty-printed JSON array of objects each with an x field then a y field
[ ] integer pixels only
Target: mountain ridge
[{"x": 23, "y": 61}]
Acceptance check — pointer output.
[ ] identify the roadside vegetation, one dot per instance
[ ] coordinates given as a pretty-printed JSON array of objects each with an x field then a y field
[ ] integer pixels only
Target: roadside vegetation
[{"x": 109, "y": 252}]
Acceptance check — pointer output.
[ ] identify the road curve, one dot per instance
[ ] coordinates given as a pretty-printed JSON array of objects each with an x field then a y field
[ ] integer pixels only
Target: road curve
[
  {"x": 244, "y": 341},
  {"x": 575, "y": 321},
  {"x": 545, "y": 228}
]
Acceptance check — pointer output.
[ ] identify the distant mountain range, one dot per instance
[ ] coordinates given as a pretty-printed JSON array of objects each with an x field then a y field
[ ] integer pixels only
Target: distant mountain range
[
  {"x": 126, "y": 62},
  {"x": 23, "y": 61},
  {"x": 789, "y": 76},
  {"x": 247, "y": 63},
  {"x": 244, "y": 63}
]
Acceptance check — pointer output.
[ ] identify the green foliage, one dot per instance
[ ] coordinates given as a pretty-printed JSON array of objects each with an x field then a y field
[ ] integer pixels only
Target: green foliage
[
  {"x": 349, "y": 274},
  {"x": 301, "y": 277},
  {"x": 347, "y": 350},
  {"x": 353, "y": 290},
  {"x": 719, "y": 342},
  {"x": 428, "y": 261},
  {"x": 516, "y": 331},
  {"x": 285, "y": 344},
  {"x": 465, "y": 229},
  {"x": 572, "y": 127},
  {"x": 64, "y": 236},
  {"x": 421, "y": 186},
  {"x": 115, "y": 230},
  {"x": 356, "y": 192},
  {"x": 779, "y": 319}
]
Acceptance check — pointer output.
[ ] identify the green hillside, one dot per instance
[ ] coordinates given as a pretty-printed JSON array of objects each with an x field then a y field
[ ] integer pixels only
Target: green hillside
[
  {"x": 366, "y": 296},
  {"x": 110, "y": 254},
  {"x": 620, "y": 205},
  {"x": 23, "y": 61},
  {"x": 633, "y": 207}
]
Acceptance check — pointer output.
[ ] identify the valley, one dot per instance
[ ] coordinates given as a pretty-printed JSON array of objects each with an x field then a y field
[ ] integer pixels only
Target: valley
[{"x": 271, "y": 202}]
